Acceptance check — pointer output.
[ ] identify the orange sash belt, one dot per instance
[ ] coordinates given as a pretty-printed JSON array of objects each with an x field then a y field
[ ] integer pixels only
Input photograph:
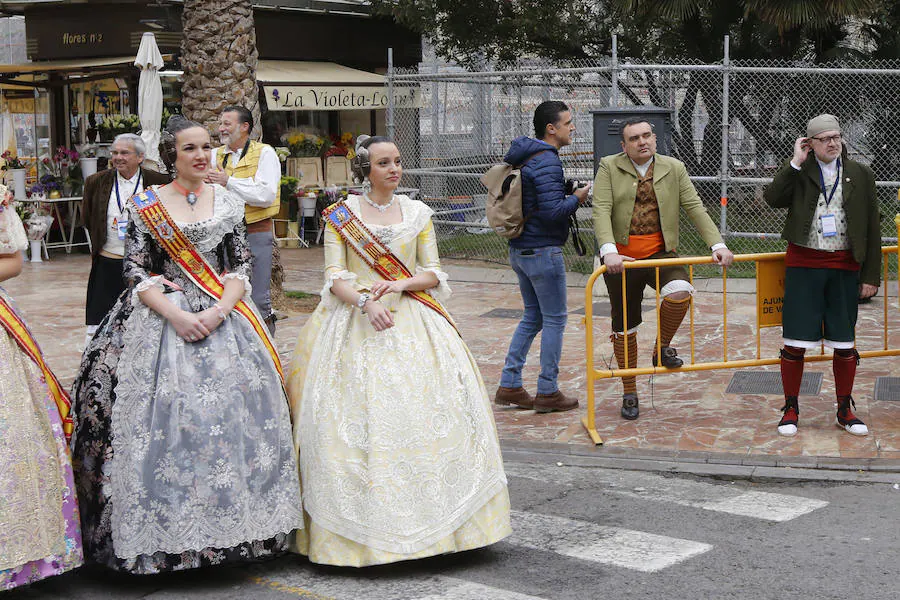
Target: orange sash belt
[
  {"x": 375, "y": 254},
  {"x": 192, "y": 263},
  {"x": 16, "y": 328}
]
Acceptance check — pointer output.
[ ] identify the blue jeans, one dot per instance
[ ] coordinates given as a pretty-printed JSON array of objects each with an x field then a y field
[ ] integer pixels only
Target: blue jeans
[{"x": 542, "y": 281}]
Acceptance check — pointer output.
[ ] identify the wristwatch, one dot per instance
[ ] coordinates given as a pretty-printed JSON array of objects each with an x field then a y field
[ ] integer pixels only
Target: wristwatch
[{"x": 361, "y": 301}]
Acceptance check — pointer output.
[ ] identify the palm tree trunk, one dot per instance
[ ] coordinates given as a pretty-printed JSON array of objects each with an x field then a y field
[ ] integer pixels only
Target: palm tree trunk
[{"x": 219, "y": 58}]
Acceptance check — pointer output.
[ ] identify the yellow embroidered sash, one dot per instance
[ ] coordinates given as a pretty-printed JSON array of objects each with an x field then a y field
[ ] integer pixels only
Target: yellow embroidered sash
[
  {"x": 375, "y": 254},
  {"x": 16, "y": 328},
  {"x": 192, "y": 263}
]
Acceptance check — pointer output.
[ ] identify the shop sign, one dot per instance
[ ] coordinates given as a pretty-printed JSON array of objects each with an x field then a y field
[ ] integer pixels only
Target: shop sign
[{"x": 351, "y": 97}]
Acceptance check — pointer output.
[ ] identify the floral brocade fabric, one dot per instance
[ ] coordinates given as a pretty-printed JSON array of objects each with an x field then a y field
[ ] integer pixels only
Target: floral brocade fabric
[
  {"x": 182, "y": 451},
  {"x": 39, "y": 529},
  {"x": 399, "y": 455}
]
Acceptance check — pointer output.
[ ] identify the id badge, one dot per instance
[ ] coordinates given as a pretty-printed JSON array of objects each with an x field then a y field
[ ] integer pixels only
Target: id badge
[
  {"x": 121, "y": 227},
  {"x": 829, "y": 225}
]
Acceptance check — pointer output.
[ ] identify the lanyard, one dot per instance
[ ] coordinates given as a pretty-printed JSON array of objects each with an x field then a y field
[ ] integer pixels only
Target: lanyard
[
  {"x": 136, "y": 186},
  {"x": 225, "y": 155},
  {"x": 837, "y": 180}
]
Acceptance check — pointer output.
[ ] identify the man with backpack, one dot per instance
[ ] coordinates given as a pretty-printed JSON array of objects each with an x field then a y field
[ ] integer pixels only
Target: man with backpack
[{"x": 537, "y": 259}]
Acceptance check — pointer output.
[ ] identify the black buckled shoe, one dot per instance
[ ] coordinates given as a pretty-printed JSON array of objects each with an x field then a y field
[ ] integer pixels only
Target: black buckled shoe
[
  {"x": 630, "y": 409},
  {"x": 670, "y": 358}
]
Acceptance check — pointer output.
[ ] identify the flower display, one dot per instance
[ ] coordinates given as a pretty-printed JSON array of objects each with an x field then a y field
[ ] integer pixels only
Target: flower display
[
  {"x": 341, "y": 146},
  {"x": 13, "y": 161},
  {"x": 302, "y": 144},
  {"x": 118, "y": 124}
]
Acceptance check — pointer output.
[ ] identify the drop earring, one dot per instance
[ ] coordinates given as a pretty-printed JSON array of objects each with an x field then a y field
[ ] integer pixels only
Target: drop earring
[{"x": 366, "y": 185}]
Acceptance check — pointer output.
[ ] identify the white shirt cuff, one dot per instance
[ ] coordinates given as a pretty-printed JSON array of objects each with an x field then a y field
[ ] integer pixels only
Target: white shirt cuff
[
  {"x": 608, "y": 248},
  {"x": 718, "y": 246},
  {"x": 796, "y": 168}
]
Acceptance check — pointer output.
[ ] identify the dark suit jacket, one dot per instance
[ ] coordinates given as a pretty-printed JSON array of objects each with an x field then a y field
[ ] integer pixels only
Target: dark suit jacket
[
  {"x": 798, "y": 191},
  {"x": 97, "y": 189}
]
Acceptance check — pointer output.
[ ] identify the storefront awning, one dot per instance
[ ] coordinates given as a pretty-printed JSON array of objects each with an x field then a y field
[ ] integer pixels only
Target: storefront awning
[
  {"x": 36, "y": 74},
  {"x": 299, "y": 72},
  {"x": 304, "y": 85},
  {"x": 81, "y": 64}
]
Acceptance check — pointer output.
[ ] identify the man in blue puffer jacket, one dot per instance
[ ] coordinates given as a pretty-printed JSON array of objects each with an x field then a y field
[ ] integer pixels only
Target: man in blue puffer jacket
[{"x": 536, "y": 257}]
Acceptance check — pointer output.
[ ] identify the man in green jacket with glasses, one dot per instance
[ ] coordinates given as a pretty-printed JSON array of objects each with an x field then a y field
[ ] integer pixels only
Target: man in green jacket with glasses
[{"x": 833, "y": 258}]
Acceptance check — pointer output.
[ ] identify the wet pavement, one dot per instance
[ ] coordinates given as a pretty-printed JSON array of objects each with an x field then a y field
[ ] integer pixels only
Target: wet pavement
[{"x": 684, "y": 416}]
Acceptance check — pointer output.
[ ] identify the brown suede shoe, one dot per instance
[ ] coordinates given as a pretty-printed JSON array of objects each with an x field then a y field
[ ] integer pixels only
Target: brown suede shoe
[
  {"x": 555, "y": 402},
  {"x": 518, "y": 396}
]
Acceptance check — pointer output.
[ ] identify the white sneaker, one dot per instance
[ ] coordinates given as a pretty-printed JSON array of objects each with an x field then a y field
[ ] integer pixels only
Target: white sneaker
[
  {"x": 855, "y": 428},
  {"x": 787, "y": 430}
]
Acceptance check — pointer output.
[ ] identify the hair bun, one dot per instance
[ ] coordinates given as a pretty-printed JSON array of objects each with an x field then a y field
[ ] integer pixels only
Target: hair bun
[
  {"x": 176, "y": 123},
  {"x": 359, "y": 141}
]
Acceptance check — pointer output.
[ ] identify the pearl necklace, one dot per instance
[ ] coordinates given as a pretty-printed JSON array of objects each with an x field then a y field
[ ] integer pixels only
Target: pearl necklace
[{"x": 382, "y": 208}]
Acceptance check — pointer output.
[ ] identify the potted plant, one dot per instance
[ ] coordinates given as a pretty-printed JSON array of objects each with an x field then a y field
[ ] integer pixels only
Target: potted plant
[
  {"x": 58, "y": 177},
  {"x": 88, "y": 160},
  {"x": 18, "y": 168},
  {"x": 288, "y": 210},
  {"x": 303, "y": 145}
]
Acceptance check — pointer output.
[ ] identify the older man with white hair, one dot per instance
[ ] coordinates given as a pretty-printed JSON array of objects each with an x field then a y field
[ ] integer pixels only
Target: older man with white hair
[{"x": 103, "y": 207}]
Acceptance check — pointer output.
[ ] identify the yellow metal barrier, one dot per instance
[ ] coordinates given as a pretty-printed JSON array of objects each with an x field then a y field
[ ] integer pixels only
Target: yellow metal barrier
[{"x": 593, "y": 374}]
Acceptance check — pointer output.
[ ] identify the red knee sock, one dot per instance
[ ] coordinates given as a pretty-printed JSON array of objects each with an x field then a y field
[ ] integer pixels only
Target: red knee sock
[
  {"x": 791, "y": 370},
  {"x": 844, "y": 367}
]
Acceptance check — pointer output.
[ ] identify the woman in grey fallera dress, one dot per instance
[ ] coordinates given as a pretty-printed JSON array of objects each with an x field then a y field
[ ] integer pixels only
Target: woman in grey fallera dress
[{"x": 183, "y": 450}]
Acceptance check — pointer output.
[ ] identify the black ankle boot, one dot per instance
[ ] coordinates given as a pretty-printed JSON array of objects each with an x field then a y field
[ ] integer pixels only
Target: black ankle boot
[{"x": 630, "y": 409}]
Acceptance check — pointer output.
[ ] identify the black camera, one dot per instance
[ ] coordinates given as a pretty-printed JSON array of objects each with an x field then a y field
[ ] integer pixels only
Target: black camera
[{"x": 574, "y": 184}]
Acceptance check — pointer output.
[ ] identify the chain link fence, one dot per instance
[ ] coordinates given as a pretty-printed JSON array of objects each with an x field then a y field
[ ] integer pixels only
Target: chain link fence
[{"x": 732, "y": 123}]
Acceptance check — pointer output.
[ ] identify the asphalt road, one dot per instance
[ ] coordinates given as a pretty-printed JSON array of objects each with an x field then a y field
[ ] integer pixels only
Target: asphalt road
[{"x": 588, "y": 532}]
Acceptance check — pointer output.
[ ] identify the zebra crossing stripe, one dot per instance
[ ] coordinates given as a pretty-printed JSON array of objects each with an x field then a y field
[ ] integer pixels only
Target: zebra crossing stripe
[
  {"x": 584, "y": 540},
  {"x": 685, "y": 492},
  {"x": 468, "y": 590},
  {"x": 766, "y": 505}
]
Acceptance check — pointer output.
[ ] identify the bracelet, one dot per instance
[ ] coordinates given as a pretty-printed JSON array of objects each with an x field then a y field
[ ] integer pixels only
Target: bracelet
[
  {"x": 221, "y": 310},
  {"x": 361, "y": 302}
]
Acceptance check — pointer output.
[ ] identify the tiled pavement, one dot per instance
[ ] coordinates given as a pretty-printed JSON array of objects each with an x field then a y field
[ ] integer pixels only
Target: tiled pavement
[{"x": 685, "y": 416}]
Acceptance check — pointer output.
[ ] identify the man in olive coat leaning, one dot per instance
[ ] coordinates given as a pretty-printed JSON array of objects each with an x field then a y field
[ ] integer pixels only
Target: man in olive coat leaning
[
  {"x": 833, "y": 258},
  {"x": 638, "y": 197}
]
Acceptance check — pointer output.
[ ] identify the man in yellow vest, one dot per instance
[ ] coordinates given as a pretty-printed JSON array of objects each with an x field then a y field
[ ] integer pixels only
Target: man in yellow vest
[{"x": 250, "y": 170}]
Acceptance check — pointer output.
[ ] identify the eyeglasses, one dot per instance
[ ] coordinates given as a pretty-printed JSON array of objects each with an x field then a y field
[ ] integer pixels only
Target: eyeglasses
[{"x": 829, "y": 139}]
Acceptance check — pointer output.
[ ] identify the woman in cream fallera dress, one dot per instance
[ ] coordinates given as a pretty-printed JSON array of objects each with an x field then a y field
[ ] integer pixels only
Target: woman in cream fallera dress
[{"x": 399, "y": 456}]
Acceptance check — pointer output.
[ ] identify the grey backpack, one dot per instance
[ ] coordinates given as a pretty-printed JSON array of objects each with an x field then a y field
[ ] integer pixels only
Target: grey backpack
[{"x": 504, "y": 198}]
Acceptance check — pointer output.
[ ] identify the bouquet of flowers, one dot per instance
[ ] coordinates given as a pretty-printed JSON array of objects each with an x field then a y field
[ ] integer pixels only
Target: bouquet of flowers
[
  {"x": 303, "y": 144},
  {"x": 13, "y": 161},
  {"x": 37, "y": 226},
  {"x": 340, "y": 146},
  {"x": 288, "y": 188}
]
